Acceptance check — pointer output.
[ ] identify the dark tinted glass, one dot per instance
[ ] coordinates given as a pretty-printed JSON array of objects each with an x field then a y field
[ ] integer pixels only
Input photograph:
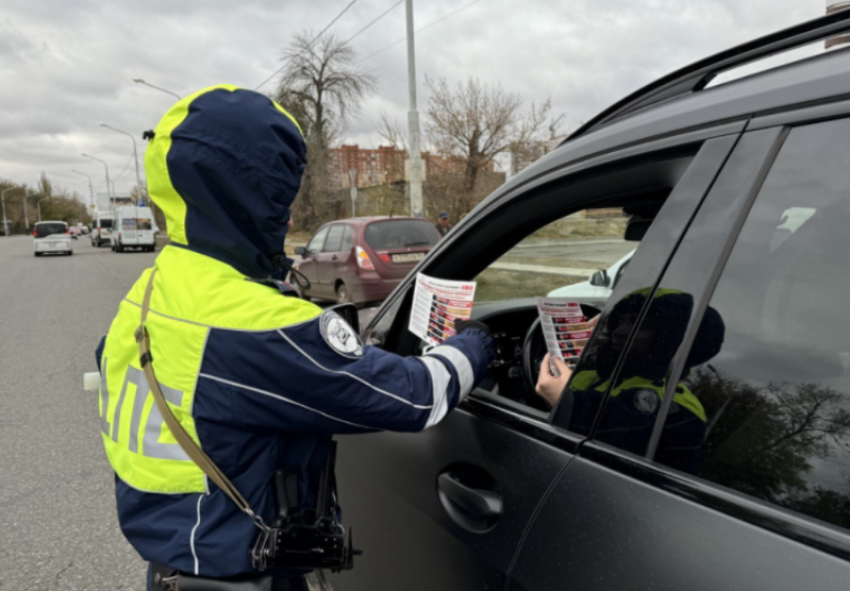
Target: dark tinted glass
[
  {"x": 769, "y": 384},
  {"x": 347, "y": 239},
  {"x": 46, "y": 229},
  {"x": 400, "y": 234},
  {"x": 333, "y": 243},
  {"x": 105, "y": 223}
]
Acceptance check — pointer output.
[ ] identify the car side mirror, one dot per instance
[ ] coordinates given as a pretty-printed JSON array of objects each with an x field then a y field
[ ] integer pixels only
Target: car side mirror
[
  {"x": 348, "y": 312},
  {"x": 600, "y": 279},
  {"x": 300, "y": 250}
]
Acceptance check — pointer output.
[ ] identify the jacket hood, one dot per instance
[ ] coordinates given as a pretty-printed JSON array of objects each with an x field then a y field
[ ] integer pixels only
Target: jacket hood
[{"x": 224, "y": 166}]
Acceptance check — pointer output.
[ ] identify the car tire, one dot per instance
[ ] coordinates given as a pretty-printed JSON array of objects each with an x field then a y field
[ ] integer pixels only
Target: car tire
[
  {"x": 70, "y": 253},
  {"x": 343, "y": 296},
  {"x": 38, "y": 254}
]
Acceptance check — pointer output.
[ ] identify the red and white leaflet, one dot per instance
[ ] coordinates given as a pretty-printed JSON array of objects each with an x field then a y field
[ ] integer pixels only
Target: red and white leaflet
[
  {"x": 564, "y": 328},
  {"x": 437, "y": 303}
]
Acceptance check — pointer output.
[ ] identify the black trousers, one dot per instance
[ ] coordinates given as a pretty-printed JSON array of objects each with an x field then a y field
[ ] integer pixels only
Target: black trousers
[{"x": 159, "y": 578}]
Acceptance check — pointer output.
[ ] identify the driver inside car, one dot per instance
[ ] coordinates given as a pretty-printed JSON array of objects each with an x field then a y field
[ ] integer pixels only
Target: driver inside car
[{"x": 638, "y": 392}]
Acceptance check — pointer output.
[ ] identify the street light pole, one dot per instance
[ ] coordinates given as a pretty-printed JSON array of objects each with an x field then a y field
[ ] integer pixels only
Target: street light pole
[
  {"x": 26, "y": 213},
  {"x": 352, "y": 174},
  {"x": 106, "y": 168},
  {"x": 91, "y": 189},
  {"x": 5, "y": 221},
  {"x": 135, "y": 157},
  {"x": 140, "y": 81},
  {"x": 414, "y": 161},
  {"x": 38, "y": 205}
]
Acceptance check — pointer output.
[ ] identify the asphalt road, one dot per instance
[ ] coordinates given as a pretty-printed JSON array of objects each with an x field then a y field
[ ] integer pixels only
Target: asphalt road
[
  {"x": 58, "y": 526},
  {"x": 603, "y": 252}
]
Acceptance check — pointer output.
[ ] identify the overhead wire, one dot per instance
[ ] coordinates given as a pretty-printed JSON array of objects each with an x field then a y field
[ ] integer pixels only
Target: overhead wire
[
  {"x": 428, "y": 26},
  {"x": 309, "y": 45},
  {"x": 383, "y": 14}
]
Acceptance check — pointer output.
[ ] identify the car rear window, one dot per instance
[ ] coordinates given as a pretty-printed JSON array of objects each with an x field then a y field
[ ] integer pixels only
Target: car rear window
[
  {"x": 136, "y": 223},
  {"x": 105, "y": 223},
  {"x": 43, "y": 230},
  {"x": 400, "y": 234}
]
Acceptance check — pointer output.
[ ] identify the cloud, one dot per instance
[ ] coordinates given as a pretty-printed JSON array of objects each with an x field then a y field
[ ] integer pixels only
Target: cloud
[{"x": 68, "y": 65}]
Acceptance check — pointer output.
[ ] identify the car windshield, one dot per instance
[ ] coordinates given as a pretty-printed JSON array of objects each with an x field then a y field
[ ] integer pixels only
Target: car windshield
[
  {"x": 400, "y": 234},
  {"x": 50, "y": 228}
]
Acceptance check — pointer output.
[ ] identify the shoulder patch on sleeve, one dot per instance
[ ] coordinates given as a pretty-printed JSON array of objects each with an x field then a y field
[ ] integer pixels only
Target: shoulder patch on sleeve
[{"x": 339, "y": 335}]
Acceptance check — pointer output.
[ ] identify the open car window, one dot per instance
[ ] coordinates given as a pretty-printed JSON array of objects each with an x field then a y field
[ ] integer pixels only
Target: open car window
[{"x": 578, "y": 256}]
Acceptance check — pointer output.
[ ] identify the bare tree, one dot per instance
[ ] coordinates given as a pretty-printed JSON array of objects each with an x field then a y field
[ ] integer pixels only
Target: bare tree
[
  {"x": 477, "y": 122},
  {"x": 321, "y": 87}
]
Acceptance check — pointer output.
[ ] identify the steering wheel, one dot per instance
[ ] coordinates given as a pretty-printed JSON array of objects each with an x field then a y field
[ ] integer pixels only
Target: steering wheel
[{"x": 534, "y": 347}]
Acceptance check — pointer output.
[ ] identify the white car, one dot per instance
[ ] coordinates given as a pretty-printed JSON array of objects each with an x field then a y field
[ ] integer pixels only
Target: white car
[
  {"x": 600, "y": 285},
  {"x": 52, "y": 237}
]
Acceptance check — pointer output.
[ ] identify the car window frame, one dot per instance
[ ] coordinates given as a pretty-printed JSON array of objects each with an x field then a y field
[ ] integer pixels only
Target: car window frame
[{"x": 396, "y": 338}]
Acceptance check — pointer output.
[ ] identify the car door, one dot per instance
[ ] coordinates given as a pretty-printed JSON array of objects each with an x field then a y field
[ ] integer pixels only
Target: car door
[
  {"x": 308, "y": 265},
  {"x": 448, "y": 508},
  {"x": 330, "y": 259},
  {"x": 732, "y": 469}
]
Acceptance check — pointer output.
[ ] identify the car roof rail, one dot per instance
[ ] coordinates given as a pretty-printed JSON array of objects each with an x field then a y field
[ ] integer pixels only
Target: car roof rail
[{"x": 698, "y": 75}]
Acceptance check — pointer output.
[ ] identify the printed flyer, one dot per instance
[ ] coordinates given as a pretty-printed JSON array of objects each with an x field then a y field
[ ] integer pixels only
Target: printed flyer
[
  {"x": 564, "y": 328},
  {"x": 437, "y": 303}
]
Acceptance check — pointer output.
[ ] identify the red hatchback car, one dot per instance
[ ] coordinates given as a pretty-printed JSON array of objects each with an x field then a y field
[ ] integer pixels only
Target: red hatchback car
[{"x": 361, "y": 260}]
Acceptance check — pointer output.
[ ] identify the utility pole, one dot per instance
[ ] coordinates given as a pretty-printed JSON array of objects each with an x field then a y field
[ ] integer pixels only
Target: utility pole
[
  {"x": 91, "y": 189},
  {"x": 413, "y": 165},
  {"x": 38, "y": 206},
  {"x": 5, "y": 221},
  {"x": 109, "y": 193},
  {"x": 26, "y": 213},
  {"x": 352, "y": 174}
]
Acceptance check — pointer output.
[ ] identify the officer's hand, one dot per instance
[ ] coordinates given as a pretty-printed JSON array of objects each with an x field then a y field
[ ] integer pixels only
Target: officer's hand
[
  {"x": 549, "y": 386},
  {"x": 486, "y": 340},
  {"x": 462, "y": 325}
]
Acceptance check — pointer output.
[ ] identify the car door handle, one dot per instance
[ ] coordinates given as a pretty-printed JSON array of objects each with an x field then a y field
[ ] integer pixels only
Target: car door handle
[
  {"x": 334, "y": 257},
  {"x": 478, "y": 502}
]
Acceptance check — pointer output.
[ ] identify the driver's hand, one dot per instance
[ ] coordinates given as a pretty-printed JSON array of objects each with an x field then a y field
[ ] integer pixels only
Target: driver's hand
[{"x": 549, "y": 387}]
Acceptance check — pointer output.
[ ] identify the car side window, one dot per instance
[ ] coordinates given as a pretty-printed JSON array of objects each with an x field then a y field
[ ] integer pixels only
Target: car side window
[
  {"x": 763, "y": 405},
  {"x": 579, "y": 256},
  {"x": 347, "y": 239},
  {"x": 333, "y": 243},
  {"x": 316, "y": 243}
]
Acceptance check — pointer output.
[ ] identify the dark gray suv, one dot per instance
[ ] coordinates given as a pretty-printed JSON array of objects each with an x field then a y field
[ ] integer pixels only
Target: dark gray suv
[{"x": 703, "y": 441}]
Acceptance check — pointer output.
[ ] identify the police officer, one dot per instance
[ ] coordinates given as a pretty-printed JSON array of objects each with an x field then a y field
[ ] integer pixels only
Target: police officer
[{"x": 260, "y": 381}]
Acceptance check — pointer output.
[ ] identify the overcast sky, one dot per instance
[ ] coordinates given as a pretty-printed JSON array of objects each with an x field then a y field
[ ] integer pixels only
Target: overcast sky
[{"x": 68, "y": 64}]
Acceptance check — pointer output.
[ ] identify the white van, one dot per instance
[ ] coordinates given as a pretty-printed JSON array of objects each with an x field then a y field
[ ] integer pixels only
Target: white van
[
  {"x": 51, "y": 237},
  {"x": 134, "y": 228},
  {"x": 102, "y": 229}
]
